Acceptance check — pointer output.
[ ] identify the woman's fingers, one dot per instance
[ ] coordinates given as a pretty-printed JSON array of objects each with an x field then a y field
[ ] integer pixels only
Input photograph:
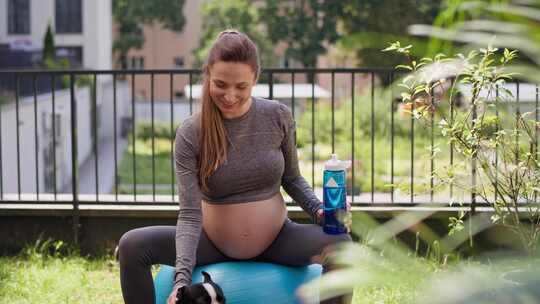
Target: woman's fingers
[
  {"x": 348, "y": 218},
  {"x": 320, "y": 215},
  {"x": 172, "y": 298}
]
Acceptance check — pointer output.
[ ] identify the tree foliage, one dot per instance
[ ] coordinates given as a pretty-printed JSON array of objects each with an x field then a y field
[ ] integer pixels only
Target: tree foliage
[
  {"x": 241, "y": 15},
  {"x": 371, "y": 24},
  {"x": 503, "y": 23},
  {"x": 48, "y": 44},
  {"x": 305, "y": 26},
  {"x": 132, "y": 14}
]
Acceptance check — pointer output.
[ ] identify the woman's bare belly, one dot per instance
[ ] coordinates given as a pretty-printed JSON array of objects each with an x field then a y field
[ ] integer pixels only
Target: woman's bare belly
[{"x": 245, "y": 230}]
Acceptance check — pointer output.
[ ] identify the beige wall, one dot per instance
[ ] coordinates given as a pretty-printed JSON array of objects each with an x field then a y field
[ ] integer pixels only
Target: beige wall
[
  {"x": 342, "y": 82},
  {"x": 160, "y": 49}
]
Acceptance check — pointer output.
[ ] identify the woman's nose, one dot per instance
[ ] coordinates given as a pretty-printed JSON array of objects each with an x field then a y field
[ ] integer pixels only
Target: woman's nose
[{"x": 229, "y": 96}]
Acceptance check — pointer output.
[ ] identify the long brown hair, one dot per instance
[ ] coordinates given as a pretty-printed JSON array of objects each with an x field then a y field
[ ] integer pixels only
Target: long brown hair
[{"x": 230, "y": 46}]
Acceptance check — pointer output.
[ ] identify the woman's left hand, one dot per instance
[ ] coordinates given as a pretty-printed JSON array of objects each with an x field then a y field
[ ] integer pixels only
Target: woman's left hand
[
  {"x": 348, "y": 218},
  {"x": 319, "y": 216}
]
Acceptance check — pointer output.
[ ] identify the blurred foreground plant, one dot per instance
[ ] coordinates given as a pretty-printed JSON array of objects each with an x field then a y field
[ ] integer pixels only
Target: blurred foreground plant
[
  {"x": 438, "y": 274},
  {"x": 473, "y": 23},
  {"x": 504, "y": 166}
]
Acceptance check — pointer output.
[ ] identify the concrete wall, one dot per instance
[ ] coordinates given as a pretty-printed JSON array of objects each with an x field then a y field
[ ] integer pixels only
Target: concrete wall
[
  {"x": 27, "y": 145},
  {"x": 105, "y": 100},
  {"x": 97, "y": 236},
  {"x": 162, "y": 111},
  {"x": 100, "y": 229},
  {"x": 27, "y": 130},
  {"x": 99, "y": 233}
]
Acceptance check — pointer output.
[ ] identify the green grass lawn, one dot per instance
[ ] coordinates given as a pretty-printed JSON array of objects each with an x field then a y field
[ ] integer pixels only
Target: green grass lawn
[
  {"x": 143, "y": 162},
  {"x": 72, "y": 279},
  {"x": 37, "y": 278}
]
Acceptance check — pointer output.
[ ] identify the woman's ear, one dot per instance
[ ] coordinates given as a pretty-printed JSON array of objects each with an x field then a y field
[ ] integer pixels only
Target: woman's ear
[{"x": 256, "y": 77}]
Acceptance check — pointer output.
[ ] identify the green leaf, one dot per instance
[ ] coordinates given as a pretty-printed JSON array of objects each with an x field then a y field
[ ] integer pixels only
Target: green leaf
[
  {"x": 406, "y": 96},
  {"x": 408, "y": 78},
  {"x": 405, "y": 67},
  {"x": 393, "y": 46},
  {"x": 403, "y": 85}
]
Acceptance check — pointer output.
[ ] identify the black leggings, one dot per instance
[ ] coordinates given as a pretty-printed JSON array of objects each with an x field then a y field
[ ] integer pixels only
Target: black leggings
[{"x": 140, "y": 248}]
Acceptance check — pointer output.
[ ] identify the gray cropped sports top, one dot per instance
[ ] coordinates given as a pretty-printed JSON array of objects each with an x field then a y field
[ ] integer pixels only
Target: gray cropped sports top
[{"x": 261, "y": 157}]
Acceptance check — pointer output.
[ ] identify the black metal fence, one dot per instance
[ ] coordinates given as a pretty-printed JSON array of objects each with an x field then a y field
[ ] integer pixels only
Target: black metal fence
[{"x": 360, "y": 119}]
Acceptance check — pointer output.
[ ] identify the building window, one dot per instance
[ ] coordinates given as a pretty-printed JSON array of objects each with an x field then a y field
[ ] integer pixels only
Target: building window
[
  {"x": 133, "y": 63},
  {"x": 285, "y": 62},
  {"x": 68, "y": 16},
  {"x": 137, "y": 63},
  {"x": 178, "y": 62},
  {"x": 19, "y": 17}
]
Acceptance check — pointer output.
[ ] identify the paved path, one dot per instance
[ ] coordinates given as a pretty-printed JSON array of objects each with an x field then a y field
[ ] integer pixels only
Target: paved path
[{"x": 87, "y": 176}]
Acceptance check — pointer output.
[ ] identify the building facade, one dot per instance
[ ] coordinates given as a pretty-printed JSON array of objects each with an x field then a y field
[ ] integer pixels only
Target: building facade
[
  {"x": 82, "y": 28},
  {"x": 166, "y": 49}
]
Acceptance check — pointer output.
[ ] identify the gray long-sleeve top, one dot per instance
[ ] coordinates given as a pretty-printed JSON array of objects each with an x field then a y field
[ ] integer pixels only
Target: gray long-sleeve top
[{"x": 262, "y": 157}]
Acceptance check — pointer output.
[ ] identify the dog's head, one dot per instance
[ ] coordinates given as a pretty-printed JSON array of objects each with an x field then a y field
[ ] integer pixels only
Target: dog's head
[{"x": 207, "y": 292}]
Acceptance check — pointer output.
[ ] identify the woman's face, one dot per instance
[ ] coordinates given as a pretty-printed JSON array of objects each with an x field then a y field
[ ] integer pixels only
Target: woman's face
[{"x": 230, "y": 87}]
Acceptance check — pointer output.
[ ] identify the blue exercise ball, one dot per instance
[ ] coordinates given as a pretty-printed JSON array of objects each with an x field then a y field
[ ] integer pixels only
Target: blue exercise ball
[{"x": 246, "y": 282}]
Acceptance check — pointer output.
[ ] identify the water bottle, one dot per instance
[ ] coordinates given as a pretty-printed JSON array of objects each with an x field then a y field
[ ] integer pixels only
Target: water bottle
[{"x": 335, "y": 195}]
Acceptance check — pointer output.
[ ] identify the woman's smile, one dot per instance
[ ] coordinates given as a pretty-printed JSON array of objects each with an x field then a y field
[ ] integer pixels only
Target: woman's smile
[{"x": 228, "y": 104}]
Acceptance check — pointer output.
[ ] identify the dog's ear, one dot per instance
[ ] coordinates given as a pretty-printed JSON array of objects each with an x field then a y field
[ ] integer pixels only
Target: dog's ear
[
  {"x": 220, "y": 299},
  {"x": 207, "y": 278}
]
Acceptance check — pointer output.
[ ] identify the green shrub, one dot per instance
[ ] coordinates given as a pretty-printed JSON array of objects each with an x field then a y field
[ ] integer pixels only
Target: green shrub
[
  {"x": 382, "y": 132},
  {"x": 382, "y": 117},
  {"x": 161, "y": 130}
]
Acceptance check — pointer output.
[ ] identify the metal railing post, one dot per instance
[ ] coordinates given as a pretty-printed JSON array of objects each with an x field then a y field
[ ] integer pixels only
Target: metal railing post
[{"x": 74, "y": 160}]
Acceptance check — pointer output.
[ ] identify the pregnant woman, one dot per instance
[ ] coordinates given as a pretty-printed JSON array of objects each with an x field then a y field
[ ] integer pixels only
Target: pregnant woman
[{"x": 231, "y": 160}]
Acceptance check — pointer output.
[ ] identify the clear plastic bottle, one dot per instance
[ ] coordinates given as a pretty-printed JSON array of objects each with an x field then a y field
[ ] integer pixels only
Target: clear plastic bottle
[{"x": 335, "y": 195}]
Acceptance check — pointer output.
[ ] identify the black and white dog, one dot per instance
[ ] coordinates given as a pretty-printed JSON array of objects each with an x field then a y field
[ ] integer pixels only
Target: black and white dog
[{"x": 207, "y": 292}]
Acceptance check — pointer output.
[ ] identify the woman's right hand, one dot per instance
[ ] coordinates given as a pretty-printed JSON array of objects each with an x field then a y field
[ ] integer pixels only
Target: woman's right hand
[{"x": 172, "y": 297}]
